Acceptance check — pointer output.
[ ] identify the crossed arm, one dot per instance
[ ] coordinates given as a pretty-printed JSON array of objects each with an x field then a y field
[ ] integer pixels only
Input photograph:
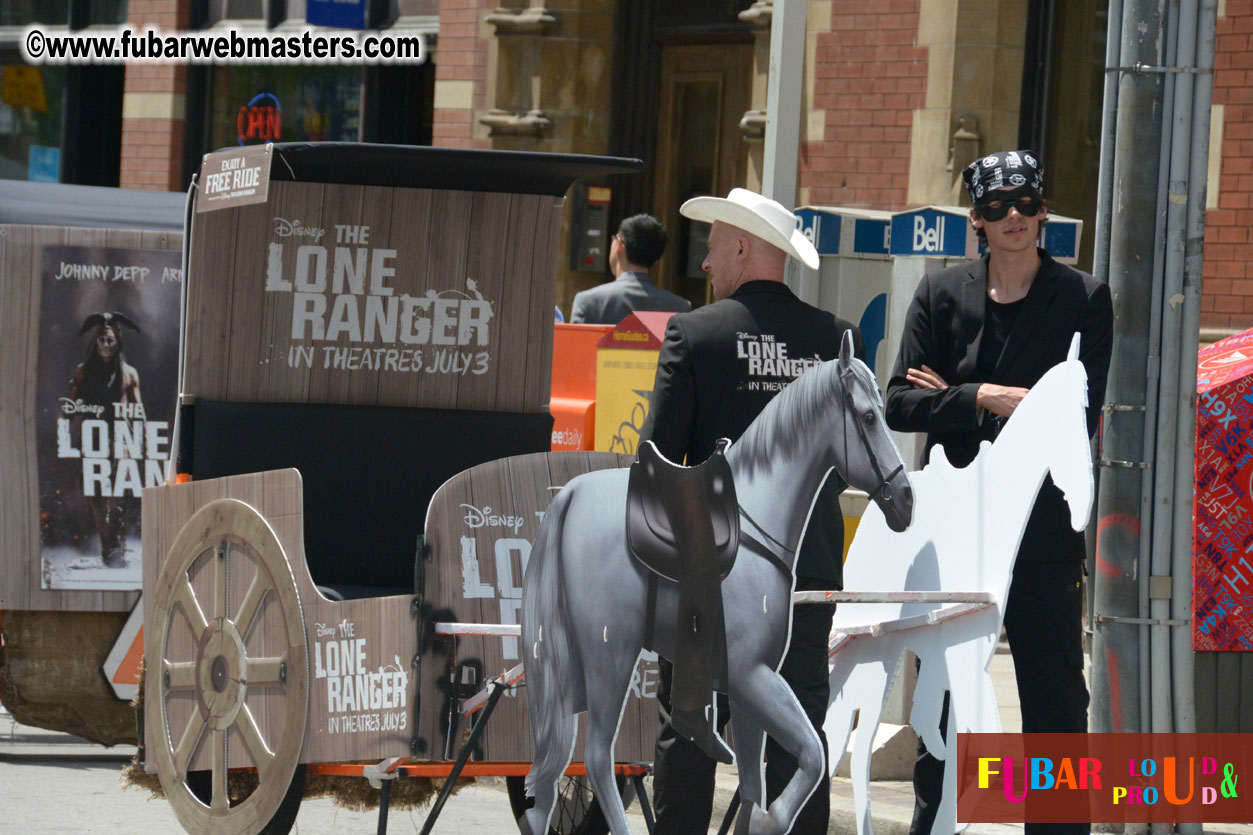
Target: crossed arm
[{"x": 997, "y": 399}]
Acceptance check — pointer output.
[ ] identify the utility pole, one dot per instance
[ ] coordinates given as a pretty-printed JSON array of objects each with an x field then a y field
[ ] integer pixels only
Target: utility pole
[
  {"x": 783, "y": 100},
  {"x": 783, "y": 124},
  {"x": 1125, "y": 474}
]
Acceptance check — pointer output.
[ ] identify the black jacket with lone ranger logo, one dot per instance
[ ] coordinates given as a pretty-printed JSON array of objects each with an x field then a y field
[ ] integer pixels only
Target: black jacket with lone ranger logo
[{"x": 721, "y": 364}]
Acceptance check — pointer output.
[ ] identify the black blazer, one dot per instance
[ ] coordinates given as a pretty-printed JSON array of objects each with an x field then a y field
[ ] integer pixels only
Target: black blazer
[
  {"x": 702, "y": 392},
  {"x": 943, "y": 329},
  {"x": 610, "y": 303}
]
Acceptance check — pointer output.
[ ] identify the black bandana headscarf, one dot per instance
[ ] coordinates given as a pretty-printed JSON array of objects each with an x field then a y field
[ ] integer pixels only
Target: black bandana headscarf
[{"x": 1007, "y": 169}]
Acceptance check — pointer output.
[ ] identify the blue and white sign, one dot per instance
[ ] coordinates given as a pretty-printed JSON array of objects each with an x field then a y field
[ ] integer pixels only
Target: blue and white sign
[
  {"x": 1061, "y": 238},
  {"x": 822, "y": 229},
  {"x": 43, "y": 164},
  {"x": 873, "y": 327},
  {"x": 933, "y": 231},
  {"x": 871, "y": 236},
  {"x": 343, "y": 14}
]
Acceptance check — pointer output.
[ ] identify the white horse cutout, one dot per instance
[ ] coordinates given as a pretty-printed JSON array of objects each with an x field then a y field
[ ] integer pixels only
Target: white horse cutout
[{"x": 968, "y": 524}]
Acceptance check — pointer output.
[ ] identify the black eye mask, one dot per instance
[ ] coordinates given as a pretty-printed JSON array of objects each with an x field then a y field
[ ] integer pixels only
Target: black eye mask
[{"x": 1010, "y": 199}]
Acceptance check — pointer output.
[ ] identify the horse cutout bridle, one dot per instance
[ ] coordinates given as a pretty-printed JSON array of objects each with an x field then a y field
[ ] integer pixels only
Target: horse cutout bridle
[{"x": 882, "y": 492}]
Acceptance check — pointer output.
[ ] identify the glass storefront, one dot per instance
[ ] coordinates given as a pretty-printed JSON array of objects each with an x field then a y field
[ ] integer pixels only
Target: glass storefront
[
  {"x": 31, "y": 112},
  {"x": 256, "y": 104},
  {"x": 57, "y": 12},
  {"x": 26, "y": 12},
  {"x": 34, "y": 100},
  {"x": 107, "y": 12}
]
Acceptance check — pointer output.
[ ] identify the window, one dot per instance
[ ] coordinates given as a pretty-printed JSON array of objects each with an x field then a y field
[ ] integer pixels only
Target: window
[
  {"x": 31, "y": 108},
  {"x": 256, "y": 104},
  {"x": 26, "y": 12}
]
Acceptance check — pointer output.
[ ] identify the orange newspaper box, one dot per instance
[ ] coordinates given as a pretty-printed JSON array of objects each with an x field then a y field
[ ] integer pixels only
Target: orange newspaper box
[
  {"x": 626, "y": 363},
  {"x": 573, "y": 401}
]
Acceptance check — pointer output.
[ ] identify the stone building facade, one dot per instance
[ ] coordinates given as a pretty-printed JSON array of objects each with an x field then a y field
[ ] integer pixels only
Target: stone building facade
[{"x": 898, "y": 95}]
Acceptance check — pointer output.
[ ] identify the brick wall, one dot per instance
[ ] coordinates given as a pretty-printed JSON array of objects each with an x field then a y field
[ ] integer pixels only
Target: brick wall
[
  {"x": 460, "y": 73},
  {"x": 153, "y": 107},
  {"x": 869, "y": 78},
  {"x": 1227, "y": 293}
]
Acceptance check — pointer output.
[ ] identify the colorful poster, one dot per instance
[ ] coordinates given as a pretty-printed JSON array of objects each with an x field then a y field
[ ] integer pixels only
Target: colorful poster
[
  {"x": 1222, "y": 511},
  {"x": 105, "y": 399}
]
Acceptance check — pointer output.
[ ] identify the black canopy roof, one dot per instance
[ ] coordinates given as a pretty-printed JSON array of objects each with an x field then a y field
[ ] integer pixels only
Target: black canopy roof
[{"x": 57, "y": 204}]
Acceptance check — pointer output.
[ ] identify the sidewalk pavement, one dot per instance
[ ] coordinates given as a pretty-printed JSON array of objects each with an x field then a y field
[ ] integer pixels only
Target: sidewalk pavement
[{"x": 892, "y": 801}]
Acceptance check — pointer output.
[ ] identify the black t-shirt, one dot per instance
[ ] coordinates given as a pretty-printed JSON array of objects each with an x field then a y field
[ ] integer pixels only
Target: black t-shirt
[{"x": 997, "y": 323}]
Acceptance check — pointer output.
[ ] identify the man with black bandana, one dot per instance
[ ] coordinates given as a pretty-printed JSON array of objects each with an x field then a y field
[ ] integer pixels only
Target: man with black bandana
[{"x": 977, "y": 337}]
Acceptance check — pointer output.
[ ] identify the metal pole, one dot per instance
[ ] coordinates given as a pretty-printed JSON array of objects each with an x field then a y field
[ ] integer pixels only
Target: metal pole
[
  {"x": 783, "y": 100},
  {"x": 1181, "y": 115},
  {"x": 1182, "y": 658},
  {"x": 466, "y": 749},
  {"x": 646, "y": 810},
  {"x": 783, "y": 125},
  {"x": 1100, "y": 247},
  {"x": 1115, "y": 705},
  {"x": 385, "y": 796},
  {"x": 1154, "y": 373},
  {"x": 1105, "y": 181}
]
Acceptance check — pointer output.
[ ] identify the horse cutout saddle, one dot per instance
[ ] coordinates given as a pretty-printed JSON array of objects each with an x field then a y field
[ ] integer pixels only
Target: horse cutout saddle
[{"x": 683, "y": 524}]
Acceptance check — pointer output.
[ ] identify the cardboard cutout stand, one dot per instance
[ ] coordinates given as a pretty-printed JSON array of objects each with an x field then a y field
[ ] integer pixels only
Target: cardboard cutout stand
[
  {"x": 589, "y": 607},
  {"x": 951, "y": 573}
]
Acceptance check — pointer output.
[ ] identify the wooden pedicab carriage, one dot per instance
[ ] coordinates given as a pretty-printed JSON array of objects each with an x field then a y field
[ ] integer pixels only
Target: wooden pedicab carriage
[{"x": 361, "y": 325}]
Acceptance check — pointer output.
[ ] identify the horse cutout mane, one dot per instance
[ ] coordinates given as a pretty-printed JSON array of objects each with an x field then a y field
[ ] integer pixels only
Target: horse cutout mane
[
  {"x": 788, "y": 419},
  {"x": 967, "y": 529}
]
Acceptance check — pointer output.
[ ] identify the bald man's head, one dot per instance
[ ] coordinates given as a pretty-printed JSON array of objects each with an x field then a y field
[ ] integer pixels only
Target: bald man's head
[{"x": 737, "y": 257}]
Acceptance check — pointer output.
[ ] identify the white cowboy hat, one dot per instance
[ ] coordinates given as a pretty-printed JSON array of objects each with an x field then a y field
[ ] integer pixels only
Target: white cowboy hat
[{"x": 758, "y": 215}]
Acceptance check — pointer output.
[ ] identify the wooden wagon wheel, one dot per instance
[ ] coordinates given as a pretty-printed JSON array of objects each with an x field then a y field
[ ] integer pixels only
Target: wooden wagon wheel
[{"x": 225, "y": 536}]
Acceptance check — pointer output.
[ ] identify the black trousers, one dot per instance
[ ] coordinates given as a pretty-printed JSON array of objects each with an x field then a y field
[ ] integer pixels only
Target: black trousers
[
  {"x": 1044, "y": 623},
  {"x": 683, "y": 777}
]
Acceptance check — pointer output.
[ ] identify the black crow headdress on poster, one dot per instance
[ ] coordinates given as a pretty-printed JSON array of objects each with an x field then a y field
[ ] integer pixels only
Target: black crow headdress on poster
[
  {"x": 99, "y": 380},
  {"x": 999, "y": 180}
]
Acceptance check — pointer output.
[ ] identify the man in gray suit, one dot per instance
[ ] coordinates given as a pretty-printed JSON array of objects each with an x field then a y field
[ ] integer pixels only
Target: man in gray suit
[{"x": 638, "y": 244}]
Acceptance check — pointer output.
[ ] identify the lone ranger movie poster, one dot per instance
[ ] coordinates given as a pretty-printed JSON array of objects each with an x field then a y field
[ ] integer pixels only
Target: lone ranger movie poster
[{"x": 105, "y": 399}]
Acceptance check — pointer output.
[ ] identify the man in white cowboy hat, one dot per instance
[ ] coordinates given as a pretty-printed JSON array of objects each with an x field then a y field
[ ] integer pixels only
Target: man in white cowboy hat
[{"x": 712, "y": 381}]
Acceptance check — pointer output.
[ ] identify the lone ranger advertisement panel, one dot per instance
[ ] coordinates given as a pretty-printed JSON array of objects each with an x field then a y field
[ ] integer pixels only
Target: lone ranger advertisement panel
[{"x": 108, "y": 350}]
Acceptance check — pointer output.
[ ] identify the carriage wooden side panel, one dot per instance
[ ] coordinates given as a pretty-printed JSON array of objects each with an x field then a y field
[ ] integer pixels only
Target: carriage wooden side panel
[
  {"x": 480, "y": 529},
  {"x": 21, "y": 257},
  {"x": 369, "y": 642}
]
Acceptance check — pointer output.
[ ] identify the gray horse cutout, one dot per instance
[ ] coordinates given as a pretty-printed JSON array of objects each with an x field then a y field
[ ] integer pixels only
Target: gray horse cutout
[{"x": 585, "y": 598}]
